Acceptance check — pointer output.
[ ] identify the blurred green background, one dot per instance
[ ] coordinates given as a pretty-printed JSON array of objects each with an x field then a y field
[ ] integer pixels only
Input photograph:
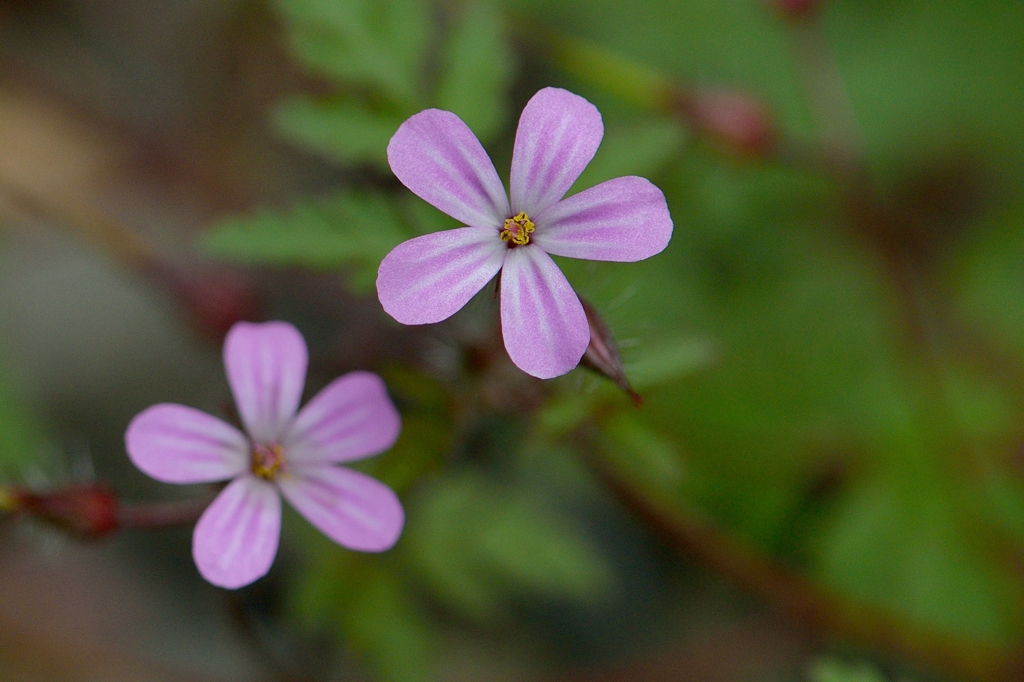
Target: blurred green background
[{"x": 826, "y": 480}]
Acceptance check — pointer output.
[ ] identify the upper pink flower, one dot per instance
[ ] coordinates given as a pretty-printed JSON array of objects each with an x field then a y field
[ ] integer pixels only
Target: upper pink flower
[
  {"x": 429, "y": 278},
  {"x": 284, "y": 453}
]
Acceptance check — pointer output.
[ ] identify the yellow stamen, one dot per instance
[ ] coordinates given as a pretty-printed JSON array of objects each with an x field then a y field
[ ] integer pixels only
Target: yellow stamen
[
  {"x": 517, "y": 230},
  {"x": 267, "y": 461}
]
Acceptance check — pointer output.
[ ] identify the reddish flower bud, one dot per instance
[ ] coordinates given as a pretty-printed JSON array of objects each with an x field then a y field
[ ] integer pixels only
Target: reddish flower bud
[
  {"x": 602, "y": 355},
  {"x": 796, "y": 9},
  {"x": 739, "y": 122},
  {"x": 88, "y": 509}
]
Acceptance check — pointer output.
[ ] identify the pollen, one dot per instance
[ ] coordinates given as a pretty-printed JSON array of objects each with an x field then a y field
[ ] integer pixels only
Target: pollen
[
  {"x": 267, "y": 461},
  {"x": 517, "y": 230}
]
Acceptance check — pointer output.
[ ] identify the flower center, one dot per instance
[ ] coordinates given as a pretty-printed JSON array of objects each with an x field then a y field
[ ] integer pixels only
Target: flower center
[
  {"x": 267, "y": 461},
  {"x": 517, "y": 230}
]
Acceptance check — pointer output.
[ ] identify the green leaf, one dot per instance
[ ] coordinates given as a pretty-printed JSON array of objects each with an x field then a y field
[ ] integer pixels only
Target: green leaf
[
  {"x": 634, "y": 149},
  {"x": 905, "y": 549},
  {"x": 20, "y": 438},
  {"x": 1006, "y": 501},
  {"x": 637, "y": 448},
  {"x": 360, "y": 599},
  {"x": 383, "y": 624},
  {"x": 477, "y": 70},
  {"x": 476, "y": 543},
  {"x": 379, "y": 44},
  {"x": 629, "y": 80},
  {"x": 568, "y": 411},
  {"x": 338, "y": 129},
  {"x": 832, "y": 670},
  {"x": 990, "y": 281},
  {"x": 351, "y": 229},
  {"x": 426, "y": 437},
  {"x": 666, "y": 360},
  {"x": 440, "y": 541},
  {"x": 423, "y": 217}
]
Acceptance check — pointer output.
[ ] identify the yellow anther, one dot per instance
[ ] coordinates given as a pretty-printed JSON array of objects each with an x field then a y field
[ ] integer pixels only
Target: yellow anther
[
  {"x": 517, "y": 230},
  {"x": 267, "y": 461}
]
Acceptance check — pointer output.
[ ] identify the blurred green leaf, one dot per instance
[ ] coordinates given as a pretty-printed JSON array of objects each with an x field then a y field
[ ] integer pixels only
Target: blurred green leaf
[
  {"x": 350, "y": 229},
  {"x": 426, "y": 437},
  {"x": 20, "y": 438},
  {"x": 423, "y": 217},
  {"x": 338, "y": 129},
  {"x": 382, "y": 623},
  {"x": 639, "y": 449},
  {"x": 667, "y": 360},
  {"x": 567, "y": 411},
  {"x": 633, "y": 149},
  {"x": 629, "y": 80},
  {"x": 359, "y": 599},
  {"x": 832, "y": 670},
  {"x": 1005, "y": 495},
  {"x": 378, "y": 44},
  {"x": 989, "y": 280},
  {"x": 905, "y": 548},
  {"x": 420, "y": 450},
  {"x": 477, "y": 70},
  {"x": 475, "y": 543},
  {"x": 661, "y": 362}
]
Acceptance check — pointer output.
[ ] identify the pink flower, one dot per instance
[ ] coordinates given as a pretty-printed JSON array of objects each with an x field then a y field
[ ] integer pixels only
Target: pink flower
[
  {"x": 282, "y": 453},
  {"x": 429, "y": 278}
]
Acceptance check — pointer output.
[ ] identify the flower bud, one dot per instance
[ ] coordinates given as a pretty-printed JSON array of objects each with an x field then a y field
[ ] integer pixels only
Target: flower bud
[
  {"x": 737, "y": 121},
  {"x": 796, "y": 9},
  {"x": 88, "y": 509},
  {"x": 602, "y": 355}
]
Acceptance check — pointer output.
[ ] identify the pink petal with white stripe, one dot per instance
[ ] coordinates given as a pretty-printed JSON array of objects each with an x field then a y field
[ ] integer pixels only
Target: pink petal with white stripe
[
  {"x": 351, "y": 418},
  {"x": 236, "y": 538},
  {"x": 266, "y": 366},
  {"x": 625, "y": 219},
  {"x": 429, "y": 278},
  {"x": 178, "y": 444},
  {"x": 438, "y": 157},
  {"x": 558, "y": 134},
  {"x": 542, "y": 321},
  {"x": 349, "y": 507}
]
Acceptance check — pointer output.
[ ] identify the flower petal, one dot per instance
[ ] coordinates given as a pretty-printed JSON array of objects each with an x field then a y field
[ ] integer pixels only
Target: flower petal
[
  {"x": 266, "y": 366},
  {"x": 558, "y": 134},
  {"x": 438, "y": 157},
  {"x": 349, "y": 507},
  {"x": 429, "y": 278},
  {"x": 236, "y": 538},
  {"x": 179, "y": 444},
  {"x": 542, "y": 321},
  {"x": 350, "y": 419},
  {"x": 625, "y": 219}
]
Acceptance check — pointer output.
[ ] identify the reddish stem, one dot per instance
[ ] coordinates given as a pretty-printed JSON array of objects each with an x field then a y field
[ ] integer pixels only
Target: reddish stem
[
  {"x": 162, "y": 514},
  {"x": 93, "y": 510}
]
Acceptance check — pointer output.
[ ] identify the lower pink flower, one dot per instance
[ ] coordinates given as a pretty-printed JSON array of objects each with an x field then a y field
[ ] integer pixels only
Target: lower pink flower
[{"x": 282, "y": 453}]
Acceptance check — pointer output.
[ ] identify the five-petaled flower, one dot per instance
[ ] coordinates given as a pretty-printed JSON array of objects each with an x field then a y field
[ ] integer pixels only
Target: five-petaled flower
[
  {"x": 283, "y": 453},
  {"x": 429, "y": 278}
]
